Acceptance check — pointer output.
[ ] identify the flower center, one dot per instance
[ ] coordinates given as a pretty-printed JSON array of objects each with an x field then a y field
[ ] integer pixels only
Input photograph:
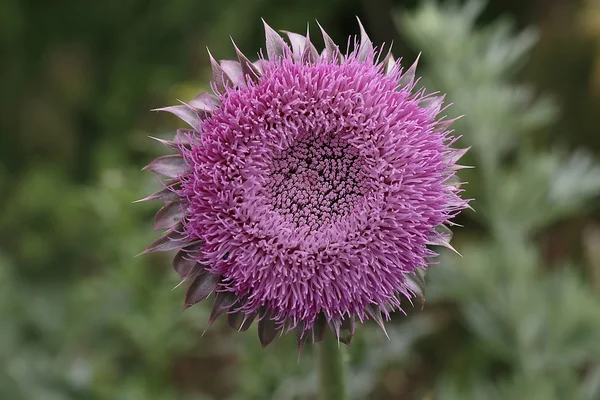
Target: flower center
[{"x": 315, "y": 181}]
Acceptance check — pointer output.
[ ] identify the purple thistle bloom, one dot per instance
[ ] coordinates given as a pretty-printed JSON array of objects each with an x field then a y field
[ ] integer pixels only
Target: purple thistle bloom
[{"x": 308, "y": 189}]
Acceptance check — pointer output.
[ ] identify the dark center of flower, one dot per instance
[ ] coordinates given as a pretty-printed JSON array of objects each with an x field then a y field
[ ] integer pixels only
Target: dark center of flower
[{"x": 315, "y": 181}]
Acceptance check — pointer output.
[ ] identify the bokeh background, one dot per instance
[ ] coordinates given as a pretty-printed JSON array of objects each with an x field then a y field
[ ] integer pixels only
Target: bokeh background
[{"x": 517, "y": 317}]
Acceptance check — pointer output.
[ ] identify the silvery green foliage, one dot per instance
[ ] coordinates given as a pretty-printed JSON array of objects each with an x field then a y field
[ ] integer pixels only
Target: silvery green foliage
[
  {"x": 68, "y": 340},
  {"x": 531, "y": 334}
]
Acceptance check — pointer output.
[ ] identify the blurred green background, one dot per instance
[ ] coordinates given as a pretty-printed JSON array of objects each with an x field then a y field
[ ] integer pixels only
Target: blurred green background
[{"x": 517, "y": 317}]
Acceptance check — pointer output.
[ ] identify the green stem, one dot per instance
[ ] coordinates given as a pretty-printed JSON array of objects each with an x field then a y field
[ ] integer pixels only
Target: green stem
[{"x": 332, "y": 385}]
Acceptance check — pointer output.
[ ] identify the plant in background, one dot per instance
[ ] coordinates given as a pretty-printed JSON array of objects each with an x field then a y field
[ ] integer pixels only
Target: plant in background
[
  {"x": 531, "y": 334},
  {"x": 308, "y": 189}
]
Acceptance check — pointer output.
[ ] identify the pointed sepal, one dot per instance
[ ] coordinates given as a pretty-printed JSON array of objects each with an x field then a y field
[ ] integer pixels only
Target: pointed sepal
[
  {"x": 172, "y": 145},
  {"x": 205, "y": 103},
  {"x": 171, "y": 166},
  {"x": 267, "y": 330},
  {"x": 334, "y": 325},
  {"x": 331, "y": 51},
  {"x": 442, "y": 238},
  {"x": 223, "y": 302},
  {"x": 416, "y": 283},
  {"x": 184, "y": 266},
  {"x": 233, "y": 69},
  {"x": 276, "y": 47},
  {"x": 184, "y": 112},
  {"x": 240, "y": 321},
  {"x": 170, "y": 240},
  {"x": 310, "y": 55},
  {"x": 165, "y": 194},
  {"x": 374, "y": 312},
  {"x": 249, "y": 71},
  {"x": 389, "y": 62},
  {"x": 302, "y": 337},
  {"x": 220, "y": 79},
  {"x": 201, "y": 287},
  {"x": 454, "y": 155},
  {"x": 319, "y": 328},
  {"x": 365, "y": 49},
  {"x": 407, "y": 79},
  {"x": 168, "y": 216},
  {"x": 298, "y": 44},
  {"x": 347, "y": 330}
]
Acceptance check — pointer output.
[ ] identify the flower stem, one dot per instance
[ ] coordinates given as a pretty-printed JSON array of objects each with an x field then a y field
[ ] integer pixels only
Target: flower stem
[{"x": 332, "y": 385}]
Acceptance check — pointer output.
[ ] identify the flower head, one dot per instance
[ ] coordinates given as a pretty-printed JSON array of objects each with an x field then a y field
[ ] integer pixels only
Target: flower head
[{"x": 308, "y": 188}]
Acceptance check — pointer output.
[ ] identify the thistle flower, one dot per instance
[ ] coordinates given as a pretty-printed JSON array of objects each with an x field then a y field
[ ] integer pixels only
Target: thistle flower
[{"x": 308, "y": 189}]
